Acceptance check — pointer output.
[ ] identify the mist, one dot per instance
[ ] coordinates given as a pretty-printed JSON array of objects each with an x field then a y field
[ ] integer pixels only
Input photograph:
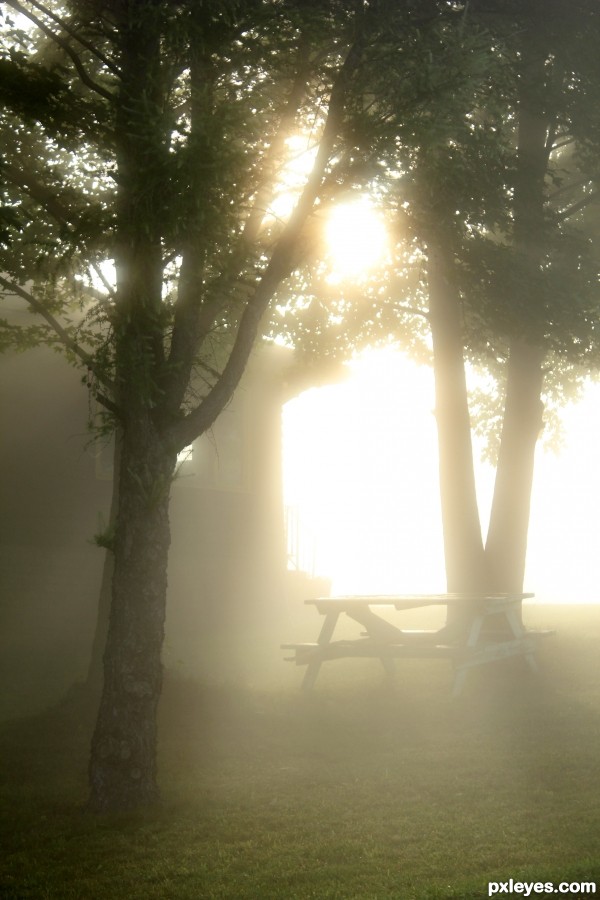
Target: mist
[
  {"x": 240, "y": 744},
  {"x": 357, "y": 472}
]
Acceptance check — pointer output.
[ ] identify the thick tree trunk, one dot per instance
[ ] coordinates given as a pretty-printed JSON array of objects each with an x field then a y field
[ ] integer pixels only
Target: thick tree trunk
[
  {"x": 123, "y": 758},
  {"x": 506, "y": 545},
  {"x": 122, "y": 769},
  {"x": 463, "y": 544}
]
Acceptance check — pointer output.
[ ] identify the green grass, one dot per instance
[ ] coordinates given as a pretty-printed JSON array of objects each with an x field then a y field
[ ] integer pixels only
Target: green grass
[{"x": 358, "y": 792}]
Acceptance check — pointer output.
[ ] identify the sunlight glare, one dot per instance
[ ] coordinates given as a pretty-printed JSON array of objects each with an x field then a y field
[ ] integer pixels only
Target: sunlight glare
[
  {"x": 356, "y": 238},
  {"x": 293, "y": 176},
  {"x": 360, "y": 473},
  {"x": 361, "y": 476}
]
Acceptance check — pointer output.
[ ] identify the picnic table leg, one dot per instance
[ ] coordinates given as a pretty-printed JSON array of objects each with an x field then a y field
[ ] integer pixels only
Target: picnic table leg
[
  {"x": 312, "y": 669},
  {"x": 519, "y": 633},
  {"x": 461, "y": 672},
  {"x": 380, "y": 629}
]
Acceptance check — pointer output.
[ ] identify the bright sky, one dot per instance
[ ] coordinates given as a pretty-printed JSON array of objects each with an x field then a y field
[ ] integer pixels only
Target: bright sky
[{"x": 360, "y": 464}]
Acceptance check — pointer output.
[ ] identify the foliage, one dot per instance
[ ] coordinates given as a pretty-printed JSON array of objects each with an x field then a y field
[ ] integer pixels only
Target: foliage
[
  {"x": 232, "y": 83},
  {"x": 428, "y": 126},
  {"x": 209, "y": 180},
  {"x": 451, "y": 173},
  {"x": 105, "y": 536}
]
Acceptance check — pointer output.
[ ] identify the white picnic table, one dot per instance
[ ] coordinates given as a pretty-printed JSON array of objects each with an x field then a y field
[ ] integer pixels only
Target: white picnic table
[{"x": 488, "y": 628}]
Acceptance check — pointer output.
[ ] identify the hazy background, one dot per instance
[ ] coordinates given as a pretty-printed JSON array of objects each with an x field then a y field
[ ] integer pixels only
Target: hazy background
[
  {"x": 360, "y": 465},
  {"x": 357, "y": 479}
]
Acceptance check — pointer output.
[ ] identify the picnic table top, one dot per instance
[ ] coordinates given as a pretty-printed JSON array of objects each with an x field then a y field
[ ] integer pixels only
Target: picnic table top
[{"x": 413, "y": 600}]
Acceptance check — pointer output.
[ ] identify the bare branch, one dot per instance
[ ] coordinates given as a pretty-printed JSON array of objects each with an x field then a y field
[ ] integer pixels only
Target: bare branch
[
  {"x": 412, "y": 310},
  {"x": 88, "y": 290},
  {"x": 108, "y": 404},
  {"x": 211, "y": 371}
]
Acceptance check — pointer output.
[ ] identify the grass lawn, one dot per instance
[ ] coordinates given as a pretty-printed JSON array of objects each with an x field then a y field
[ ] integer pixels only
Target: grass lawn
[{"x": 358, "y": 792}]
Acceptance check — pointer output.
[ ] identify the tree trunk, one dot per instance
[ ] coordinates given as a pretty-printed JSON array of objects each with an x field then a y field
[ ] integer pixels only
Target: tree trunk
[
  {"x": 122, "y": 771},
  {"x": 93, "y": 683},
  {"x": 123, "y": 757},
  {"x": 463, "y": 544},
  {"x": 506, "y": 545}
]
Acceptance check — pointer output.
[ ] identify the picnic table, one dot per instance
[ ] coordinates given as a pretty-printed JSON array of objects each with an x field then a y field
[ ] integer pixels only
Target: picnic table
[{"x": 488, "y": 628}]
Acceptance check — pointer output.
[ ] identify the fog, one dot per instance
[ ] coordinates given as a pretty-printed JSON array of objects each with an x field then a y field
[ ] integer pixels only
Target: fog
[
  {"x": 358, "y": 476},
  {"x": 227, "y": 563},
  {"x": 361, "y": 477}
]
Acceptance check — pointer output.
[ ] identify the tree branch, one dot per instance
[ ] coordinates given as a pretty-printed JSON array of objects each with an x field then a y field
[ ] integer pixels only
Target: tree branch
[
  {"x": 73, "y": 33},
  {"x": 108, "y": 404},
  {"x": 193, "y": 320},
  {"x": 85, "y": 78},
  {"x": 40, "y": 193},
  {"x": 274, "y": 153},
  {"x": 569, "y": 186},
  {"x": 412, "y": 310},
  {"x": 576, "y": 207},
  {"x": 111, "y": 292},
  {"x": 202, "y": 417},
  {"x": 562, "y": 144},
  {"x": 63, "y": 335}
]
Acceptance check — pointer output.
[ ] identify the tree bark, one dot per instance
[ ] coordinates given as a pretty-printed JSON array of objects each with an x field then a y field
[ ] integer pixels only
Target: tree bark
[
  {"x": 463, "y": 544},
  {"x": 122, "y": 770},
  {"x": 123, "y": 756},
  {"x": 93, "y": 683},
  {"x": 506, "y": 544}
]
